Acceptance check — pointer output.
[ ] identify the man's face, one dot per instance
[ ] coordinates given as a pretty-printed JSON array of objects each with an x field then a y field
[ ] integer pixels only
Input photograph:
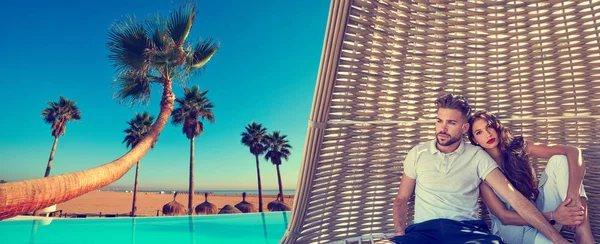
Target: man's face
[{"x": 449, "y": 127}]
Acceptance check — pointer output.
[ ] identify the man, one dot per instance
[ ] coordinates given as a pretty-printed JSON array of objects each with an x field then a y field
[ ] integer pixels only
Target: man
[{"x": 445, "y": 174}]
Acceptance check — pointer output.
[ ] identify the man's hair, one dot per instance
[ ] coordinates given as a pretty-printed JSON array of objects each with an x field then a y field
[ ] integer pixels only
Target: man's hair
[{"x": 456, "y": 102}]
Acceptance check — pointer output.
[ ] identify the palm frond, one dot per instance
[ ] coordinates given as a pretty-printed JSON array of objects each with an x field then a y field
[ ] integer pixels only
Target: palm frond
[
  {"x": 133, "y": 88},
  {"x": 139, "y": 126},
  {"x": 246, "y": 139},
  {"x": 277, "y": 147},
  {"x": 194, "y": 105},
  {"x": 254, "y": 138},
  {"x": 207, "y": 114},
  {"x": 177, "y": 117},
  {"x": 202, "y": 53},
  {"x": 50, "y": 113},
  {"x": 128, "y": 43},
  {"x": 156, "y": 27},
  {"x": 59, "y": 114},
  {"x": 180, "y": 23},
  {"x": 165, "y": 61}
]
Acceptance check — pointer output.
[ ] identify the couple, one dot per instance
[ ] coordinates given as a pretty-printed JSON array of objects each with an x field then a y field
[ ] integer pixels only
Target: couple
[{"x": 447, "y": 176}]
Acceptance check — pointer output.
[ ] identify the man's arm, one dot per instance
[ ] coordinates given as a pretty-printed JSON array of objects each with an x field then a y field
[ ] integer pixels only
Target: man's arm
[
  {"x": 563, "y": 214},
  {"x": 525, "y": 208},
  {"x": 405, "y": 191}
]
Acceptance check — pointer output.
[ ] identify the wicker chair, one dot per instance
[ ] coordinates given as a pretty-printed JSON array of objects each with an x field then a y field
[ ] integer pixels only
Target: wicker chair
[{"x": 535, "y": 64}]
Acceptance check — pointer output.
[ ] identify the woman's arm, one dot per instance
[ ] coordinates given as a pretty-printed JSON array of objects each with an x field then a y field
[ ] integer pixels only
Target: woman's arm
[
  {"x": 563, "y": 215},
  {"x": 576, "y": 164}
]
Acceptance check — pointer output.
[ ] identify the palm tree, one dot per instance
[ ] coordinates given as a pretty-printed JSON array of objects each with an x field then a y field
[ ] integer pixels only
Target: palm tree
[
  {"x": 155, "y": 51},
  {"x": 277, "y": 148},
  {"x": 193, "y": 106},
  {"x": 138, "y": 129},
  {"x": 58, "y": 115},
  {"x": 254, "y": 138}
]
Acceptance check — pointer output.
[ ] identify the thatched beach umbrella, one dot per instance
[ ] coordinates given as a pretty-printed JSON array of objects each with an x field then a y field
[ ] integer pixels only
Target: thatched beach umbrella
[
  {"x": 206, "y": 207},
  {"x": 278, "y": 205},
  {"x": 244, "y": 206},
  {"x": 174, "y": 208},
  {"x": 228, "y": 209}
]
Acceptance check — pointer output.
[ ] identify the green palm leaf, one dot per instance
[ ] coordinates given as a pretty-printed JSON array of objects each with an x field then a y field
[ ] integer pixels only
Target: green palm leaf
[
  {"x": 156, "y": 28},
  {"x": 134, "y": 87},
  {"x": 60, "y": 113},
  {"x": 139, "y": 126},
  {"x": 277, "y": 147},
  {"x": 202, "y": 53},
  {"x": 180, "y": 23},
  {"x": 128, "y": 45},
  {"x": 194, "y": 105},
  {"x": 254, "y": 138}
]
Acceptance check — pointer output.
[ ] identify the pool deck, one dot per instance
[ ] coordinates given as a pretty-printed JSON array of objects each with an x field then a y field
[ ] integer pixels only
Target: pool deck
[{"x": 29, "y": 217}]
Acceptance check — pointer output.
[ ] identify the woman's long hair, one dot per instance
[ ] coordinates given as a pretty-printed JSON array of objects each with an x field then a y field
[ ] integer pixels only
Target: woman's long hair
[{"x": 516, "y": 166}]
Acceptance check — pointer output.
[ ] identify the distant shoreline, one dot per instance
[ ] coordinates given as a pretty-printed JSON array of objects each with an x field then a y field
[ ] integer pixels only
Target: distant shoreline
[
  {"x": 211, "y": 192},
  {"x": 148, "y": 203}
]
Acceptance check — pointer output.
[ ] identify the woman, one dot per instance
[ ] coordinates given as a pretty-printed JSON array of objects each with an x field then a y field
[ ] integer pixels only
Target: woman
[{"x": 559, "y": 194}]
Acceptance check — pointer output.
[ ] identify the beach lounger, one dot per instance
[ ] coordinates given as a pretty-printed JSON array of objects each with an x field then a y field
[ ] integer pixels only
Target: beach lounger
[{"x": 535, "y": 64}]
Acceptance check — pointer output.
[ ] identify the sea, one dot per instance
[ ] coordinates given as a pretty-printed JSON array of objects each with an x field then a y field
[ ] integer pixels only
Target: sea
[{"x": 216, "y": 192}]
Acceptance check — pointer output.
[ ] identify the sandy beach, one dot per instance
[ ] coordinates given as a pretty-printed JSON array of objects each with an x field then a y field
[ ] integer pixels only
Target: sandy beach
[{"x": 108, "y": 202}]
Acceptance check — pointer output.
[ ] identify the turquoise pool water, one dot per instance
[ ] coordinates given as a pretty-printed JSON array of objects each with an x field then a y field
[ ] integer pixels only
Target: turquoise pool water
[{"x": 233, "y": 228}]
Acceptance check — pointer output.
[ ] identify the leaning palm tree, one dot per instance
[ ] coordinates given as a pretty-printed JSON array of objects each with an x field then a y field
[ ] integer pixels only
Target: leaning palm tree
[
  {"x": 277, "y": 148},
  {"x": 138, "y": 129},
  {"x": 193, "y": 106},
  {"x": 58, "y": 115},
  {"x": 155, "y": 51},
  {"x": 254, "y": 138}
]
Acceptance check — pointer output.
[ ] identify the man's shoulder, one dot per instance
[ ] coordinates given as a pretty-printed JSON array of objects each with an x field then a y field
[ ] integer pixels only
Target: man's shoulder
[
  {"x": 473, "y": 149},
  {"x": 421, "y": 147},
  {"x": 477, "y": 153}
]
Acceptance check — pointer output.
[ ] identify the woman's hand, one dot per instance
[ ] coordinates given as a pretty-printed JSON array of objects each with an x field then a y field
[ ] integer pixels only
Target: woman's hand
[{"x": 568, "y": 215}]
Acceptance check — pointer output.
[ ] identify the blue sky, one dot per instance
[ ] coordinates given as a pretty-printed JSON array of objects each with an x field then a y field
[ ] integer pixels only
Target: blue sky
[{"x": 265, "y": 71}]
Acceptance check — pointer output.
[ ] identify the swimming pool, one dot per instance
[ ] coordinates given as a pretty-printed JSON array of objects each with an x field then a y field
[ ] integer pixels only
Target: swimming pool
[{"x": 230, "y": 228}]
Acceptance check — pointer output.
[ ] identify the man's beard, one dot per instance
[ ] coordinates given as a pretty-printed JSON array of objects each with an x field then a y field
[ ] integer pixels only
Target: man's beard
[{"x": 450, "y": 141}]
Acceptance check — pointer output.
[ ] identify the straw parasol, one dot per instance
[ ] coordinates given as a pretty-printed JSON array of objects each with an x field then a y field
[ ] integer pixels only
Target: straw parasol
[
  {"x": 228, "y": 209},
  {"x": 278, "y": 205},
  {"x": 244, "y": 206},
  {"x": 173, "y": 208},
  {"x": 206, "y": 207}
]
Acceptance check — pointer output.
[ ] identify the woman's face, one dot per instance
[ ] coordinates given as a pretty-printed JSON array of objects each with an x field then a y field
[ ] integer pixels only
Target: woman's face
[{"x": 485, "y": 136}]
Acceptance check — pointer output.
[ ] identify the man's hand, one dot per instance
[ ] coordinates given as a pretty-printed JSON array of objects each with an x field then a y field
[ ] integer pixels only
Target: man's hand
[
  {"x": 568, "y": 215},
  {"x": 405, "y": 191},
  {"x": 576, "y": 199},
  {"x": 398, "y": 233}
]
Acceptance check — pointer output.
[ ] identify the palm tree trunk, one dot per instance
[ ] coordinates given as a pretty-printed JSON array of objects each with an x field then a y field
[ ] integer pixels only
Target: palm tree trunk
[
  {"x": 191, "y": 190},
  {"x": 279, "y": 181},
  {"x": 135, "y": 189},
  {"x": 51, "y": 157},
  {"x": 260, "y": 202},
  {"x": 29, "y": 195}
]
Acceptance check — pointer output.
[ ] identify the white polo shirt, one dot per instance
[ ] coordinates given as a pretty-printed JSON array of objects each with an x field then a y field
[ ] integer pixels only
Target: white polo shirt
[{"x": 447, "y": 184}]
